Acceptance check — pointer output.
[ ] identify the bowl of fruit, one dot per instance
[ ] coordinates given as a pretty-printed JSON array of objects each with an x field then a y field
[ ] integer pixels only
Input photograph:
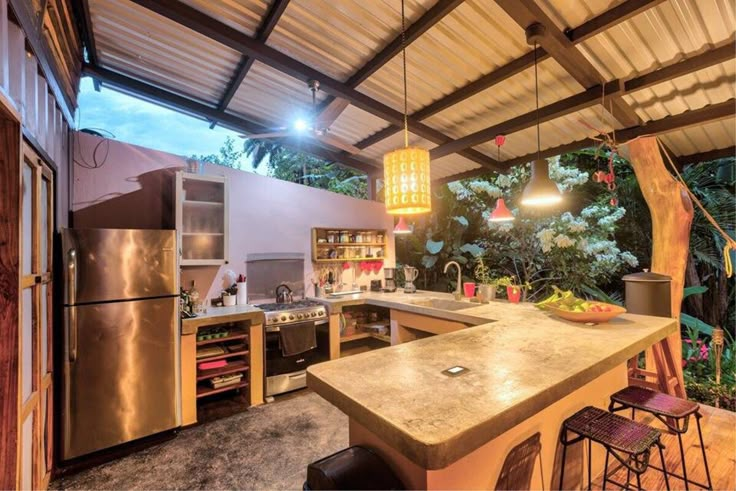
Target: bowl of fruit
[{"x": 569, "y": 307}]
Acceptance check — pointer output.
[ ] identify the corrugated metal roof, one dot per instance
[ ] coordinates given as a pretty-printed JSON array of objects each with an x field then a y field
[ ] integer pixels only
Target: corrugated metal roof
[
  {"x": 477, "y": 37},
  {"x": 472, "y": 40},
  {"x": 337, "y": 38},
  {"x": 243, "y": 15},
  {"x": 133, "y": 40},
  {"x": 710, "y": 136}
]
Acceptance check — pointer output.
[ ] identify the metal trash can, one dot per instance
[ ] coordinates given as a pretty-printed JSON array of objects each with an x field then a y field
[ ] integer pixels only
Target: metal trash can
[
  {"x": 351, "y": 468},
  {"x": 648, "y": 293}
]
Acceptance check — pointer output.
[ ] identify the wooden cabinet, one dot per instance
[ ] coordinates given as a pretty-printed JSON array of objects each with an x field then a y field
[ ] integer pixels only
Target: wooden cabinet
[
  {"x": 348, "y": 244},
  {"x": 202, "y": 219}
]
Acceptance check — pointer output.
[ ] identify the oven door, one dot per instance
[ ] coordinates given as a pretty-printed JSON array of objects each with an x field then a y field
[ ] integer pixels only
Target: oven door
[{"x": 278, "y": 364}]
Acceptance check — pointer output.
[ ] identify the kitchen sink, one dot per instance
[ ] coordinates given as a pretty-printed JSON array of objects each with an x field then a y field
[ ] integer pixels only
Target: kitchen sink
[{"x": 442, "y": 304}]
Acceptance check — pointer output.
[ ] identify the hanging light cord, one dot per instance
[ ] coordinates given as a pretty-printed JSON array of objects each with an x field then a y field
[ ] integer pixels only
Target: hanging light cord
[
  {"x": 403, "y": 55},
  {"x": 536, "y": 94}
]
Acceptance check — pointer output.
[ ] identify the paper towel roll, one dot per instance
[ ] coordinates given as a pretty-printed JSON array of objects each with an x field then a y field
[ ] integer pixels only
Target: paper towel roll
[{"x": 242, "y": 295}]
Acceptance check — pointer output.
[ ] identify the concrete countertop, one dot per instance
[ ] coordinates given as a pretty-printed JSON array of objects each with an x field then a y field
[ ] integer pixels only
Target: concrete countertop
[
  {"x": 217, "y": 315},
  {"x": 519, "y": 364}
]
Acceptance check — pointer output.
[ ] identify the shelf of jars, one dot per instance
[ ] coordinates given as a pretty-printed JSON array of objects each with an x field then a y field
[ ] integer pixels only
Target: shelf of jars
[{"x": 343, "y": 244}]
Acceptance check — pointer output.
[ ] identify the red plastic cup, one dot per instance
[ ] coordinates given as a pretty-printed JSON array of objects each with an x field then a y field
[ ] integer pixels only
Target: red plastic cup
[{"x": 469, "y": 288}]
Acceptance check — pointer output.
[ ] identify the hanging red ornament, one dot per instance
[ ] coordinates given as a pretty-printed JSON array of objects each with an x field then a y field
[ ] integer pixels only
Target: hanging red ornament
[
  {"x": 599, "y": 176},
  {"x": 500, "y": 140},
  {"x": 614, "y": 201}
]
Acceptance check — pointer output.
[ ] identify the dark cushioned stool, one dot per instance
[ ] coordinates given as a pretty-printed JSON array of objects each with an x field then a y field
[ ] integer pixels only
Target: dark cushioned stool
[
  {"x": 672, "y": 411},
  {"x": 352, "y": 468},
  {"x": 628, "y": 441}
]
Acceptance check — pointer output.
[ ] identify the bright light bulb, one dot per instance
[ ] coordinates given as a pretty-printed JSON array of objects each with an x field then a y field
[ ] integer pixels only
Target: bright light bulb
[{"x": 300, "y": 125}]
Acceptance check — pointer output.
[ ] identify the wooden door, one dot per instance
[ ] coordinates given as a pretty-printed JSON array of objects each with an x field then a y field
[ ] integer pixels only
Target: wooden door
[{"x": 35, "y": 341}]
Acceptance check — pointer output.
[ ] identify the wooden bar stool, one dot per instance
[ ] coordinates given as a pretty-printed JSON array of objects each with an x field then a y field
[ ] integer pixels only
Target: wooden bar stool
[
  {"x": 628, "y": 441},
  {"x": 672, "y": 411}
]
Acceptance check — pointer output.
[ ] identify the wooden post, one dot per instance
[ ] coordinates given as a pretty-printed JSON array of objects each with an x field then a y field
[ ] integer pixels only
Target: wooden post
[{"x": 672, "y": 215}]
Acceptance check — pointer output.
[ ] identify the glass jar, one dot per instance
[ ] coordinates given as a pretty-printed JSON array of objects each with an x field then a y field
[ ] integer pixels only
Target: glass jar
[
  {"x": 331, "y": 237},
  {"x": 379, "y": 238},
  {"x": 358, "y": 237}
]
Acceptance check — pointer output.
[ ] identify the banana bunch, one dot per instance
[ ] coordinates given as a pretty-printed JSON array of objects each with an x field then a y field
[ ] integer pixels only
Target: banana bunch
[{"x": 558, "y": 297}]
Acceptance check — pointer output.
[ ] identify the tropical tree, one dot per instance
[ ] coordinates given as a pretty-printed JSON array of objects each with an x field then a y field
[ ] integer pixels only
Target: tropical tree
[{"x": 227, "y": 156}]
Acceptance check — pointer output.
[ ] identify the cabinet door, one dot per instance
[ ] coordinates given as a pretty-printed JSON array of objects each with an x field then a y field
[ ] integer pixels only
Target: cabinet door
[{"x": 35, "y": 376}]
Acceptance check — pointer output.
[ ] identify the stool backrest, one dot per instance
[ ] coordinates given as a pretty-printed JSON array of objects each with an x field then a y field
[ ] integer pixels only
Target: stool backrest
[{"x": 518, "y": 467}]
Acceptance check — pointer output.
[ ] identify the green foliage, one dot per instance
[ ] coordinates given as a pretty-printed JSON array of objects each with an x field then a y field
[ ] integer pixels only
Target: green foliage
[{"x": 227, "y": 156}]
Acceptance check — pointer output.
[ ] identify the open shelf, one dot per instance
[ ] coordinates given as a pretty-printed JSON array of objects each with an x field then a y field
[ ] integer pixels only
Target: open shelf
[
  {"x": 348, "y": 259},
  {"x": 354, "y": 244},
  {"x": 203, "y": 391},
  {"x": 189, "y": 202},
  {"x": 364, "y": 335},
  {"x": 223, "y": 356},
  {"x": 189, "y": 234},
  {"x": 231, "y": 337},
  {"x": 234, "y": 367}
]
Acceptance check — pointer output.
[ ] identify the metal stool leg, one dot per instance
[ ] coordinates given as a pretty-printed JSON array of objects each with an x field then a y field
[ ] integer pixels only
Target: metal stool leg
[
  {"x": 682, "y": 457},
  {"x": 664, "y": 467},
  {"x": 590, "y": 478},
  {"x": 628, "y": 471},
  {"x": 638, "y": 481},
  {"x": 702, "y": 447},
  {"x": 562, "y": 464},
  {"x": 605, "y": 469}
]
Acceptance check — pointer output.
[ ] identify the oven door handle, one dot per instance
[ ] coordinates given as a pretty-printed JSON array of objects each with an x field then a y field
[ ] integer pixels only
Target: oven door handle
[{"x": 298, "y": 375}]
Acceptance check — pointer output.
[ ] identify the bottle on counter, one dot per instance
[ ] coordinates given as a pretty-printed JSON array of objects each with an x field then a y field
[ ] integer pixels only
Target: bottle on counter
[{"x": 193, "y": 297}]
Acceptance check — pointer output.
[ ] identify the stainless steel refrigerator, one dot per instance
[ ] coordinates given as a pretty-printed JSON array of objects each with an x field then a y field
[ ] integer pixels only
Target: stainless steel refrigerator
[{"x": 121, "y": 337}]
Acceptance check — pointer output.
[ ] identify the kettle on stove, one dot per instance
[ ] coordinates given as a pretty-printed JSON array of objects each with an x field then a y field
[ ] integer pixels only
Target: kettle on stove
[{"x": 284, "y": 294}]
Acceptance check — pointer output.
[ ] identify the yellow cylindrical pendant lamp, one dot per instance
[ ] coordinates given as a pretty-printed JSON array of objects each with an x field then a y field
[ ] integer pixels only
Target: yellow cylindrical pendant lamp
[{"x": 407, "y": 185}]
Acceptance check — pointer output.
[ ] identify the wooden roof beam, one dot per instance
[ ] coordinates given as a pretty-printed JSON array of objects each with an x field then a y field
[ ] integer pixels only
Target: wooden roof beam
[
  {"x": 596, "y": 25},
  {"x": 236, "y": 40},
  {"x": 589, "y": 98},
  {"x": 430, "y": 18},
  {"x": 707, "y": 114},
  {"x": 718, "y": 153},
  {"x": 526, "y": 13},
  {"x": 186, "y": 105},
  {"x": 272, "y": 17}
]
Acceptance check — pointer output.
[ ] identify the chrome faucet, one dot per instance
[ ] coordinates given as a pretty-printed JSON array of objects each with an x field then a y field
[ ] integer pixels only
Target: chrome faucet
[{"x": 458, "y": 291}]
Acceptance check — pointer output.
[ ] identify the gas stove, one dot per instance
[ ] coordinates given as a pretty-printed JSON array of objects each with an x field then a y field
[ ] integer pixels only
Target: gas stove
[{"x": 278, "y": 314}]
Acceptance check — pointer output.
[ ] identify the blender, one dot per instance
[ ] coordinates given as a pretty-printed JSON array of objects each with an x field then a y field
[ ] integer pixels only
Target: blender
[
  {"x": 389, "y": 275},
  {"x": 410, "y": 274}
]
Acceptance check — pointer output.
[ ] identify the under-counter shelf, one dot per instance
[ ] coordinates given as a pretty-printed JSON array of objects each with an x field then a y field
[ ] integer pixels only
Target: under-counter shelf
[
  {"x": 223, "y": 356},
  {"x": 230, "y": 337},
  {"x": 234, "y": 367},
  {"x": 203, "y": 391},
  {"x": 365, "y": 335}
]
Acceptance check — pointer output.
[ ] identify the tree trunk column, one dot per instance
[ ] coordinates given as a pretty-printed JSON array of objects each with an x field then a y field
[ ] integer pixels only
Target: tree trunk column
[{"x": 672, "y": 215}]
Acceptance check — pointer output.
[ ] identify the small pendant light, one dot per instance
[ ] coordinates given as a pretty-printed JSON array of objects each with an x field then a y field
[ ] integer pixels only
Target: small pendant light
[
  {"x": 407, "y": 185},
  {"x": 540, "y": 190},
  {"x": 501, "y": 213},
  {"x": 402, "y": 228}
]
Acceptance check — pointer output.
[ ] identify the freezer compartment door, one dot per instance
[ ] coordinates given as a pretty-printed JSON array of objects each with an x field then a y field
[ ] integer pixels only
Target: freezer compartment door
[
  {"x": 118, "y": 264},
  {"x": 120, "y": 373}
]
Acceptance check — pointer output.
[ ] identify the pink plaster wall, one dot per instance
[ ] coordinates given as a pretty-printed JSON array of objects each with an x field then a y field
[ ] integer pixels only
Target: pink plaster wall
[{"x": 133, "y": 188}]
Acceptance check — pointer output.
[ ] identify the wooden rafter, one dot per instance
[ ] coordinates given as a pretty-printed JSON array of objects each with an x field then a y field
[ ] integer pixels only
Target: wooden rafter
[
  {"x": 714, "y": 112},
  {"x": 718, "y": 153},
  {"x": 430, "y": 18},
  {"x": 236, "y": 40},
  {"x": 186, "y": 105},
  {"x": 277, "y": 9},
  {"x": 596, "y": 25},
  {"x": 527, "y": 13},
  {"x": 589, "y": 98}
]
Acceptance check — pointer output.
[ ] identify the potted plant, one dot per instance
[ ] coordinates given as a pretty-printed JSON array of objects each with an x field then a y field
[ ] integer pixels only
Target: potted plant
[
  {"x": 487, "y": 288},
  {"x": 513, "y": 290}
]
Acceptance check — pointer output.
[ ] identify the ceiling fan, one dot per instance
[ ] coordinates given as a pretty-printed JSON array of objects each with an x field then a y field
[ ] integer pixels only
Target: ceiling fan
[{"x": 317, "y": 127}]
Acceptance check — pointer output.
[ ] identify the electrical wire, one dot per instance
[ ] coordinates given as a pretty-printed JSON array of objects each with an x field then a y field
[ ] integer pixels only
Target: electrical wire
[
  {"x": 403, "y": 56},
  {"x": 536, "y": 95}
]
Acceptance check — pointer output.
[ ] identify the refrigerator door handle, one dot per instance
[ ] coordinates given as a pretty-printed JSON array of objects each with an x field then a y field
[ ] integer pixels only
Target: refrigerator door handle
[
  {"x": 72, "y": 332},
  {"x": 72, "y": 300}
]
